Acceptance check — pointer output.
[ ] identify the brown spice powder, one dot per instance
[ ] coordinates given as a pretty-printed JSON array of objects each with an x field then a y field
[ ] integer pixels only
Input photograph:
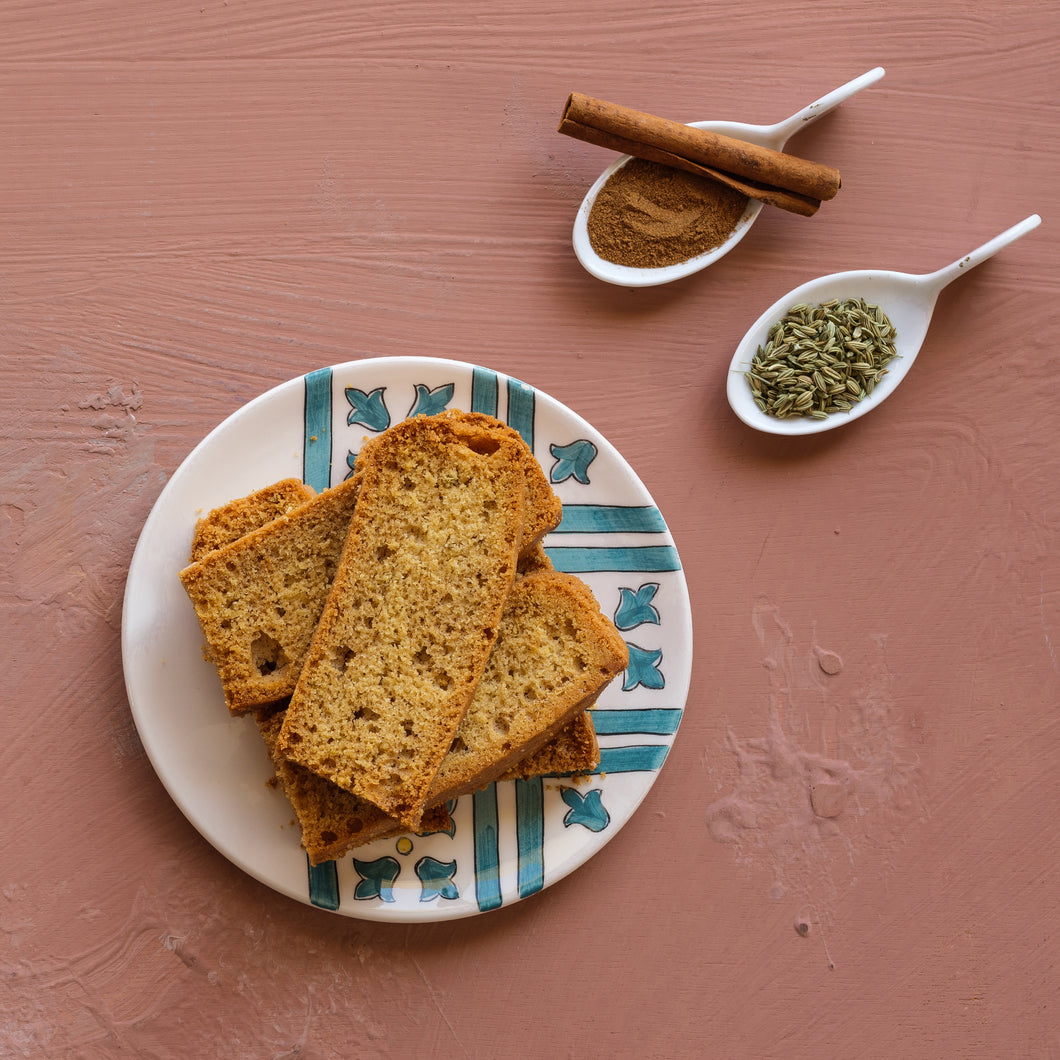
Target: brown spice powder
[{"x": 649, "y": 215}]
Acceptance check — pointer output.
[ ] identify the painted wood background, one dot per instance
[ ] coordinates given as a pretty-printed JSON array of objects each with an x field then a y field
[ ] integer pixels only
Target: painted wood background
[{"x": 199, "y": 200}]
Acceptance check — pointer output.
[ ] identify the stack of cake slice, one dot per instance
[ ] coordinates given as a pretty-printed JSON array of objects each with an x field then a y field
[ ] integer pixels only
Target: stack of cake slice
[{"x": 401, "y": 639}]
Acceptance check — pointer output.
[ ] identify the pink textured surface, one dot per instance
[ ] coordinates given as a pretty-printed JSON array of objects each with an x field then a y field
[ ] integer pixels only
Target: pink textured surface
[{"x": 852, "y": 848}]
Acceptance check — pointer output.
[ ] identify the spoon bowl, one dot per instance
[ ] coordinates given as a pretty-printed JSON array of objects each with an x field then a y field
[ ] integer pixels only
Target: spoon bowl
[
  {"x": 771, "y": 136},
  {"x": 907, "y": 299}
]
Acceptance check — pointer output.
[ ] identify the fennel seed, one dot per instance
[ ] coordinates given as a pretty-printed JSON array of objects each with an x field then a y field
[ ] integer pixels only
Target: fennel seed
[{"x": 820, "y": 359}]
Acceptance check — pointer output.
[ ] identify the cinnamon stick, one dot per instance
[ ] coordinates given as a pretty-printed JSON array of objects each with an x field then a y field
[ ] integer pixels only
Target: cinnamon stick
[{"x": 780, "y": 179}]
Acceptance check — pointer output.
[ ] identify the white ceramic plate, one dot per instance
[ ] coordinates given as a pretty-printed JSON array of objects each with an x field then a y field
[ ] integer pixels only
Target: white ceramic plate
[{"x": 508, "y": 841}]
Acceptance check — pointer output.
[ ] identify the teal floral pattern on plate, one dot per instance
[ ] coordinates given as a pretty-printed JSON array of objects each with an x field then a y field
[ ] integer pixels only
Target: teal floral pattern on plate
[
  {"x": 367, "y": 410},
  {"x": 430, "y": 402},
  {"x": 436, "y": 879},
  {"x": 572, "y": 461},
  {"x": 377, "y": 879},
  {"x": 643, "y": 668},
  {"x": 635, "y": 607},
  {"x": 587, "y": 810}
]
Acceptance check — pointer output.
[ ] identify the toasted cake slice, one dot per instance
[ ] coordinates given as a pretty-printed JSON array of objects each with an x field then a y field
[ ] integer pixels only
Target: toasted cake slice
[
  {"x": 233, "y": 520},
  {"x": 555, "y": 654},
  {"x": 543, "y": 508},
  {"x": 413, "y": 612},
  {"x": 258, "y": 599}
]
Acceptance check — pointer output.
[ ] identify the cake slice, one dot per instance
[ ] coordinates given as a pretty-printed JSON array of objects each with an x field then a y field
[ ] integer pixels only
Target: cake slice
[
  {"x": 413, "y": 612},
  {"x": 258, "y": 599},
  {"x": 555, "y": 654},
  {"x": 237, "y": 518}
]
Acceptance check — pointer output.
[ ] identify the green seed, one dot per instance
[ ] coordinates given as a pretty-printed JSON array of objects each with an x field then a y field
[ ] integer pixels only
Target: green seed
[{"x": 821, "y": 359}]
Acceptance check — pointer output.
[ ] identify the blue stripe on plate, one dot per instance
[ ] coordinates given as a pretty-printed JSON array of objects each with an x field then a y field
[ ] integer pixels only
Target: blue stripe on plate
[
  {"x": 316, "y": 450},
  {"x": 316, "y": 472},
  {"x": 487, "y": 855},
  {"x": 637, "y": 759},
  {"x": 484, "y": 391},
  {"x": 648, "y": 559},
  {"x": 530, "y": 835},
  {"x": 610, "y": 519},
  {"x": 323, "y": 884},
  {"x": 521, "y": 410},
  {"x": 657, "y": 722}
]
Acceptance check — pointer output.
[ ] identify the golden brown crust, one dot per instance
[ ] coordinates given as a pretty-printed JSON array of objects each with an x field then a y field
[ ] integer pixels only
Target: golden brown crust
[
  {"x": 534, "y": 559},
  {"x": 234, "y": 520},
  {"x": 572, "y": 751}
]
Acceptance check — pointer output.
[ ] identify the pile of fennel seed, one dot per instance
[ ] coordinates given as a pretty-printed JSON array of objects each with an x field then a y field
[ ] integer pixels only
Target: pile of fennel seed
[{"x": 821, "y": 359}]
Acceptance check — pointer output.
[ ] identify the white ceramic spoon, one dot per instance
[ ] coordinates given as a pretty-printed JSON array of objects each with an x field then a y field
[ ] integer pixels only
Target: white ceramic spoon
[
  {"x": 908, "y": 300},
  {"x": 771, "y": 136}
]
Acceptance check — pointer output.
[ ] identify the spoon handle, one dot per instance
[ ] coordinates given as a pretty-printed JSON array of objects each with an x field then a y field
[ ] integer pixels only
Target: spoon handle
[
  {"x": 938, "y": 280},
  {"x": 783, "y": 130}
]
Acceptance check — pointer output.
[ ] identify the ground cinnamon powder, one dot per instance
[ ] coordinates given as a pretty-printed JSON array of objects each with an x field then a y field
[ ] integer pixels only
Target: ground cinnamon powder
[{"x": 649, "y": 215}]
